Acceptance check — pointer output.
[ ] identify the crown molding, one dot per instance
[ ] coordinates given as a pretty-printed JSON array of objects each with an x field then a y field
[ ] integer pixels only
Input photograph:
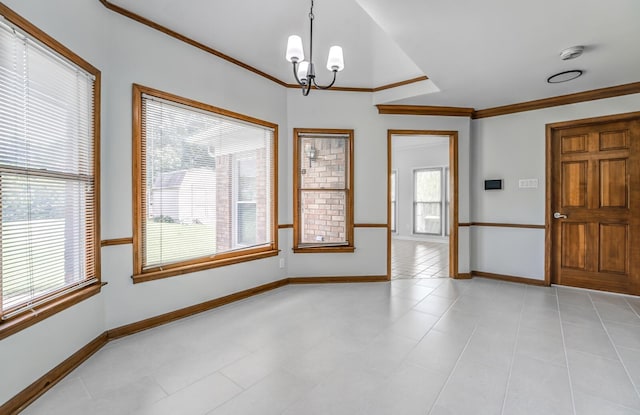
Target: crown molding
[
  {"x": 401, "y": 83},
  {"x": 591, "y": 95},
  {"x": 154, "y": 25},
  {"x": 594, "y": 94},
  {"x": 425, "y": 110},
  {"x": 183, "y": 38}
]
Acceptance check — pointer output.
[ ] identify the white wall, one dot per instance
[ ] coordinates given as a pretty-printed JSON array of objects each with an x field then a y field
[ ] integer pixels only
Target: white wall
[
  {"x": 405, "y": 161},
  {"x": 335, "y": 109},
  {"x": 156, "y": 60},
  {"x": 127, "y": 52},
  {"x": 512, "y": 147}
]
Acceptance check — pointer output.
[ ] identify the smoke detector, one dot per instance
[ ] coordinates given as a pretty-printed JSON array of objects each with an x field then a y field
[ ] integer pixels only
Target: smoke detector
[{"x": 571, "y": 53}]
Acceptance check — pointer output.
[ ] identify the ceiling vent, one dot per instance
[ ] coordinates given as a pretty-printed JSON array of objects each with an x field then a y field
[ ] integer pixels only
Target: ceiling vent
[{"x": 571, "y": 53}]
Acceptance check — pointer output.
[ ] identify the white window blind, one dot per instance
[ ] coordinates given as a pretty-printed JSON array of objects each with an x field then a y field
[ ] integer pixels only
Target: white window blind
[
  {"x": 207, "y": 183},
  {"x": 47, "y": 182}
]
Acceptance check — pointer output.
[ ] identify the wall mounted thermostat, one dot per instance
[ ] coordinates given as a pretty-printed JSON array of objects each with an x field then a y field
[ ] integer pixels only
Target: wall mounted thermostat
[{"x": 493, "y": 184}]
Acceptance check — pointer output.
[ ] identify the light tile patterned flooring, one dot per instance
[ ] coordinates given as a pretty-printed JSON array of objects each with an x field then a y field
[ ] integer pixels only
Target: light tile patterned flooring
[
  {"x": 417, "y": 259},
  {"x": 409, "y": 346}
]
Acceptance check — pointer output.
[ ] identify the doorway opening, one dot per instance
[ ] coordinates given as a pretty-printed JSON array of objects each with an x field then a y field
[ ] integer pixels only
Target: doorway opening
[{"x": 422, "y": 236}]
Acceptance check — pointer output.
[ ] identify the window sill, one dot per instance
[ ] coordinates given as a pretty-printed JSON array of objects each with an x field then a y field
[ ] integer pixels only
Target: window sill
[
  {"x": 324, "y": 249},
  {"x": 201, "y": 266},
  {"x": 29, "y": 318}
]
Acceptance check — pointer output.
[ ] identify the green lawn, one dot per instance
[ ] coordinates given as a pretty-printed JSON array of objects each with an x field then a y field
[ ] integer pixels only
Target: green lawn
[{"x": 172, "y": 242}]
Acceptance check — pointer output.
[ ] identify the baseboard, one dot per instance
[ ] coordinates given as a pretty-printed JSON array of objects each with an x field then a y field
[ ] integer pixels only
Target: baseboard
[
  {"x": 39, "y": 387},
  {"x": 510, "y": 278},
  {"x": 463, "y": 276},
  {"x": 20, "y": 401},
  {"x": 191, "y": 310},
  {"x": 334, "y": 280}
]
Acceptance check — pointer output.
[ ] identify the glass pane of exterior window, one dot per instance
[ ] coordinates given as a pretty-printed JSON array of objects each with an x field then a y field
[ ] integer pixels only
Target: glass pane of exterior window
[
  {"x": 323, "y": 162},
  {"x": 394, "y": 183},
  {"x": 323, "y": 194},
  {"x": 447, "y": 202},
  {"x": 428, "y": 201},
  {"x": 47, "y": 172},
  {"x": 246, "y": 202},
  {"x": 246, "y": 180},
  {"x": 427, "y": 218},
  {"x": 43, "y": 237},
  {"x": 207, "y": 187},
  {"x": 323, "y": 217},
  {"x": 246, "y": 224}
]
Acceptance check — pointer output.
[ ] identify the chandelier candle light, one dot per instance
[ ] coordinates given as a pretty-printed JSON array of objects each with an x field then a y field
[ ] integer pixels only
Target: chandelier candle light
[{"x": 304, "y": 71}]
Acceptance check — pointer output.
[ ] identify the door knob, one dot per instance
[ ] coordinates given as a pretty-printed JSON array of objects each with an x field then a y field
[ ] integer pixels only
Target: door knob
[{"x": 559, "y": 215}]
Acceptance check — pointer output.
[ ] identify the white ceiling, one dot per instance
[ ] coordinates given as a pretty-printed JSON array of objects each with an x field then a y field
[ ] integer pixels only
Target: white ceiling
[{"x": 476, "y": 54}]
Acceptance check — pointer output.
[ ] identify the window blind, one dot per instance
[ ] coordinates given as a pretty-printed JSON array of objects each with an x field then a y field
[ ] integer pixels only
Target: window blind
[
  {"x": 47, "y": 182},
  {"x": 208, "y": 183}
]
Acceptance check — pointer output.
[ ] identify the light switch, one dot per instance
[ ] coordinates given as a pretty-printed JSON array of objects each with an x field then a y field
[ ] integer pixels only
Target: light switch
[{"x": 528, "y": 183}]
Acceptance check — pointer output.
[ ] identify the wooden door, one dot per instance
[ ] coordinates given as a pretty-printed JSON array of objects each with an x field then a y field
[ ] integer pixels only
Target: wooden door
[{"x": 595, "y": 182}]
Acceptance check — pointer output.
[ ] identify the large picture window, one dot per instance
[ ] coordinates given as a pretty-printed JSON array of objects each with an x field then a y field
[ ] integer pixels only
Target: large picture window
[
  {"x": 48, "y": 180},
  {"x": 323, "y": 197},
  {"x": 204, "y": 183}
]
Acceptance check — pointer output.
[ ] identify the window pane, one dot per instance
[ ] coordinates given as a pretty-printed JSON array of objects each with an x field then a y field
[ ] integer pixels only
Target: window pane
[
  {"x": 428, "y": 185},
  {"x": 168, "y": 241},
  {"x": 427, "y": 218},
  {"x": 323, "y": 217},
  {"x": 246, "y": 224},
  {"x": 323, "y": 162},
  {"x": 46, "y": 108},
  {"x": 208, "y": 183},
  {"x": 447, "y": 215},
  {"x": 393, "y": 216},
  {"x": 393, "y": 186},
  {"x": 47, "y": 128},
  {"x": 43, "y": 236},
  {"x": 247, "y": 180}
]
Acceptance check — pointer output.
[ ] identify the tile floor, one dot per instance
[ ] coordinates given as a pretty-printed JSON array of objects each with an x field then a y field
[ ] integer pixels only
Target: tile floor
[
  {"x": 418, "y": 259},
  {"x": 409, "y": 346}
]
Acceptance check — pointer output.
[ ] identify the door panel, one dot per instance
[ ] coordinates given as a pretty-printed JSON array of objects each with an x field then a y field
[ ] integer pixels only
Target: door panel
[
  {"x": 574, "y": 251},
  {"x": 574, "y": 144},
  {"x": 595, "y": 182},
  {"x": 614, "y": 241},
  {"x": 613, "y": 183},
  {"x": 614, "y": 140}
]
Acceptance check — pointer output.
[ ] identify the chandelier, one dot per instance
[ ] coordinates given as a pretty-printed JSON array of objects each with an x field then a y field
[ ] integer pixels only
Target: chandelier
[{"x": 304, "y": 71}]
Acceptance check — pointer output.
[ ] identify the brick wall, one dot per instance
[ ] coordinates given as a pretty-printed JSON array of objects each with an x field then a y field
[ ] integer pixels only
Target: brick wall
[{"x": 225, "y": 199}]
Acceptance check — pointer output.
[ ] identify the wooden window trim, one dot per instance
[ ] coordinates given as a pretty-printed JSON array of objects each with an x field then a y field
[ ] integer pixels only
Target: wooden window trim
[
  {"x": 30, "y": 317},
  {"x": 203, "y": 263},
  {"x": 349, "y": 247}
]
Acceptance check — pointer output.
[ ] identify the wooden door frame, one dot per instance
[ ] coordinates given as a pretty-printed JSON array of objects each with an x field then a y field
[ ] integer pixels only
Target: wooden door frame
[
  {"x": 453, "y": 180},
  {"x": 549, "y": 160}
]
